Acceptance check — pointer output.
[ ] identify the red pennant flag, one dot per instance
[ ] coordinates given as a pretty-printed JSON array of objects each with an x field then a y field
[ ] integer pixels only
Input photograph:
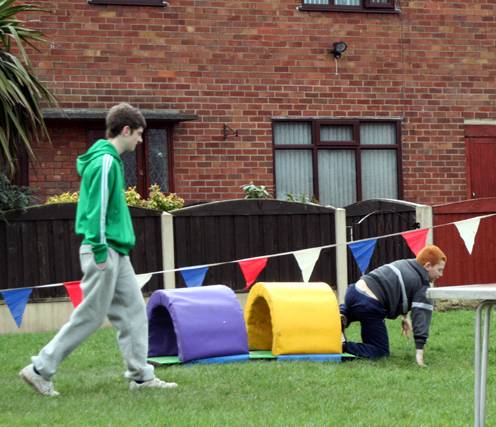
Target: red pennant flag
[
  {"x": 416, "y": 239},
  {"x": 75, "y": 292},
  {"x": 251, "y": 269}
]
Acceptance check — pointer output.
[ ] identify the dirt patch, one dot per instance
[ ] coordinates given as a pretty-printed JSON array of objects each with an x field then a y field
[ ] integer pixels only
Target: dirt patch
[{"x": 454, "y": 304}]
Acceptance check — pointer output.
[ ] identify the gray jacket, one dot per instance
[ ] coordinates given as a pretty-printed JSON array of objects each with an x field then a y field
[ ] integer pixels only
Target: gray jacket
[{"x": 386, "y": 285}]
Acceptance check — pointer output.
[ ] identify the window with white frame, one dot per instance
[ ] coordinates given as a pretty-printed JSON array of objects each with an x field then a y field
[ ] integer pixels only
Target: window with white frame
[{"x": 338, "y": 162}]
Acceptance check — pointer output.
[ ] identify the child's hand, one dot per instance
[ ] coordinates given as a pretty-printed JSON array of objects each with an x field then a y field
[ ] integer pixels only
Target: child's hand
[{"x": 406, "y": 327}]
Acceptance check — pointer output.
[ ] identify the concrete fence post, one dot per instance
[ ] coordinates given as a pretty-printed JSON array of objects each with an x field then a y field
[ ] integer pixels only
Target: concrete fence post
[
  {"x": 341, "y": 253},
  {"x": 167, "y": 229},
  {"x": 423, "y": 214}
]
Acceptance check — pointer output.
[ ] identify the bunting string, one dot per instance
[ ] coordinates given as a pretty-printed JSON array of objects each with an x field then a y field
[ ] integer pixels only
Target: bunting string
[
  {"x": 214, "y": 264},
  {"x": 362, "y": 250}
]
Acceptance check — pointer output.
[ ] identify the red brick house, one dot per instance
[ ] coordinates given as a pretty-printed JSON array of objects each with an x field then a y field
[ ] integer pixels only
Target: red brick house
[{"x": 250, "y": 91}]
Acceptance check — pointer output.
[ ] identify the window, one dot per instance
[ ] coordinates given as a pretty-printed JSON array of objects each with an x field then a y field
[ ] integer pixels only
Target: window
[
  {"x": 337, "y": 161},
  {"x": 350, "y": 5},
  {"x": 150, "y": 163},
  {"x": 161, "y": 3}
]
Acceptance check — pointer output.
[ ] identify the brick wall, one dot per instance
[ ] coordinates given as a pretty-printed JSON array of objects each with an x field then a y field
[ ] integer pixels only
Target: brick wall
[
  {"x": 54, "y": 170},
  {"x": 243, "y": 62}
]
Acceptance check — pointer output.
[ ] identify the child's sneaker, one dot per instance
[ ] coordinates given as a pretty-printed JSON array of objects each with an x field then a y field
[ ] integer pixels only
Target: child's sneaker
[
  {"x": 40, "y": 384},
  {"x": 154, "y": 383}
]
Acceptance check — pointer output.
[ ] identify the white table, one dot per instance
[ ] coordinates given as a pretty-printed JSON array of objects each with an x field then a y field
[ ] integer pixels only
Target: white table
[{"x": 487, "y": 296}]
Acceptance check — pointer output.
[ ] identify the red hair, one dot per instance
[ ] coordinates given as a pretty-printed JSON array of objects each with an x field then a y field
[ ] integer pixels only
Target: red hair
[{"x": 431, "y": 254}]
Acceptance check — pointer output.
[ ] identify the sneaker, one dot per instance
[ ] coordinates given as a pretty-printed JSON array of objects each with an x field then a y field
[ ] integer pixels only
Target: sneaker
[
  {"x": 154, "y": 383},
  {"x": 40, "y": 384}
]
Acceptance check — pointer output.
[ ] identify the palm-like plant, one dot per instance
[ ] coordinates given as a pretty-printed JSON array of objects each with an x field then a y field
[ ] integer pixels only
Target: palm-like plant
[{"x": 21, "y": 93}]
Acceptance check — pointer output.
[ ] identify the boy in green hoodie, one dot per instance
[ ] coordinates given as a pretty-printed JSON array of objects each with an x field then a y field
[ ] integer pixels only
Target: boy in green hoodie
[{"x": 109, "y": 283}]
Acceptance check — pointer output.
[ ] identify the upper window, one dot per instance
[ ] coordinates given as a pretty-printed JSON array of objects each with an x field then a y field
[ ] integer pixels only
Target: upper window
[
  {"x": 161, "y": 3},
  {"x": 338, "y": 162},
  {"x": 349, "y": 5}
]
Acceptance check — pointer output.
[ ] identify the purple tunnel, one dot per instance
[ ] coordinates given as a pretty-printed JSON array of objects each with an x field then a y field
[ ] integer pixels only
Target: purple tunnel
[{"x": 196, "y": 323}]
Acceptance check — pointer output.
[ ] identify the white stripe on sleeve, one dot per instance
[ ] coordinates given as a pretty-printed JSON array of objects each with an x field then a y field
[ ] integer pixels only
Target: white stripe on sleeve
[
  {"x": 422, "y": 305},
  {"x": 104, "y": 195}
]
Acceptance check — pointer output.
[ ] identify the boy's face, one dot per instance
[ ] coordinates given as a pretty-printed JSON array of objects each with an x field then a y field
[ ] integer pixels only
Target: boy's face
[
  {"x": 131, "y": 138},
  {"x": 435, "y": 271}
]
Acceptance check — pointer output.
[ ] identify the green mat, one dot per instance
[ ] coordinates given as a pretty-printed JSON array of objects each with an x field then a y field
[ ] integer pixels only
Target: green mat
[
  {"x": 164, "y": 360},
  {"x": 262, "y": 354},
  {"x": 254, "y": 355}
]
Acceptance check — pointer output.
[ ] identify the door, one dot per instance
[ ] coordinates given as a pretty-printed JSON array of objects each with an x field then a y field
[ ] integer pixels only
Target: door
[
  {"x": 150, "y": 163},
  {"x": 480, "y": 143}
]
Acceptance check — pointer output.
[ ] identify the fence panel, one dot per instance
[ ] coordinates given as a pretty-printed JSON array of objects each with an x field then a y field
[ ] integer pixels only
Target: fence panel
[
  {"x": 372, "y": 218},
  {"x": 39, "y": 246},
  {"x": 464, "y": 268},
  {"x": 236, "y": 229}
]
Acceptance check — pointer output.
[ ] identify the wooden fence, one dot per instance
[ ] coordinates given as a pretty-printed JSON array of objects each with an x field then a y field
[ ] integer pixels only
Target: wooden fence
[
  {"x": 238, "y": 229},
  {"x": 379, "y": 217},
  {"x": 39, "y": 246},
  {"x": 464, "y": 268}
]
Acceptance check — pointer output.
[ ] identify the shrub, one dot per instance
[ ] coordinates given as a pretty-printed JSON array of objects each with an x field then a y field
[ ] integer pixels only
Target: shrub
[
  {"x": 12, "y": 196},
  {"x": 133, "y": 198},
  {"x": 157, "y": 200},
  {"x": 302, "y": 198},
  {"x": 63, "y": 198},
  {"x": 253, "y": 191}
]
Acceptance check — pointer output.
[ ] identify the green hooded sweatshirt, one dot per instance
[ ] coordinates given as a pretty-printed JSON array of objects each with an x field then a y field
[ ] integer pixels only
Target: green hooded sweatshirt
[{"x": 102, "y": 215}]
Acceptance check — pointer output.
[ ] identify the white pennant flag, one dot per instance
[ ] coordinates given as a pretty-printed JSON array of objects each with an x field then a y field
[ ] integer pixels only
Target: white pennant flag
[
  {"x": 143, "y": 279},
  {"x": 468, "y": 230},
  {"x": 306, "y": 261}
]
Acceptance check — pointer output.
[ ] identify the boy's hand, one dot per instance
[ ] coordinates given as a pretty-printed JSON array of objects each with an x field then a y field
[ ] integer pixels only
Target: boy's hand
[
  {"x": 419, "y": 358},
  {"x": 406, "y": 327}
]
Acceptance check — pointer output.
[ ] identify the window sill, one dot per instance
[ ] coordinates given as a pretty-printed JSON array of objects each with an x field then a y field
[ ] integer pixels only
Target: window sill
[
  {"x": 323, "y": 8},
  {"x": 156, "y": 3},
  {"x": 89, "y": 114}
]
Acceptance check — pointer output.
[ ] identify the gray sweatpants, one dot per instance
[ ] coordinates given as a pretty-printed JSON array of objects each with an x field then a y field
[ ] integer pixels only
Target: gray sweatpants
[{"x": 112, "y": 292}]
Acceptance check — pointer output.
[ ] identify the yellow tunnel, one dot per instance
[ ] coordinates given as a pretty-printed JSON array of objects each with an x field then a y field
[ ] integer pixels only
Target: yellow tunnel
[{"x": 293, "y": 318}]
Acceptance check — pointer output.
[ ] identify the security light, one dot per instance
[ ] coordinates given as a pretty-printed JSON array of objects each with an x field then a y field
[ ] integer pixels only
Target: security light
[{"x": 338, "y": 49}]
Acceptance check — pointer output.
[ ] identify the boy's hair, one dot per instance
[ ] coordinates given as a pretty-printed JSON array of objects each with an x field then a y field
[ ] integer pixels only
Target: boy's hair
[
  {"x": 122, "y": 115},
  {"x": 431, "y": 254}
]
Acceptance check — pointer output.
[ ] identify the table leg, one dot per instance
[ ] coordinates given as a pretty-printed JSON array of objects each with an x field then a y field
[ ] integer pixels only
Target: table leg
[
  {"x": 481, "y": 356},
  {"x": 477, "y": 365},
  {"x": 484, "y": 355}
]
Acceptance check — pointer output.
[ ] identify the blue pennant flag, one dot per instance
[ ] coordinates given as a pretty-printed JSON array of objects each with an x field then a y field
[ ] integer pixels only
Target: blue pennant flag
[
  {"x": 362, "y": 251},
  {"x": 16, "y": 300},
  {"x": 194, "y": 276}
]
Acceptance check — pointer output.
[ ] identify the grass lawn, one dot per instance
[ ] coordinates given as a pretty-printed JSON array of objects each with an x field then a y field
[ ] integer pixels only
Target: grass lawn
[{"x": 392, "y": 392}]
